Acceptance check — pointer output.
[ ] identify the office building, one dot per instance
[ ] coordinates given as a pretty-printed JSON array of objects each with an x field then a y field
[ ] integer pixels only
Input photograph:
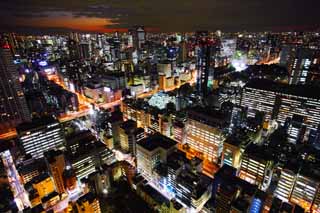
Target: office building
[
  {"x": 177, "y": 163},
  {"x": 257, "y": 98},
  {"x": 152, "y": 151},
  {"x": 205, "y": 133},
  {"x": 113, "y": 128},
  {"x": 296, "y": 129},
  {"x": 139, "y": 37},
  {"x": 179, "y": 132},
  {"x": 129, "y": 135},
  {"x": 157, "y": 201},
  {"x": 100, "y": 182},
  {"x": 56, "y": 164},
  {"x": 256, "y": 166},
  {"x": 85, "y": 153},
  {"x": 194, "y": 190},
  {"x": 281, "y": 101},
  {"x": 204, "y": 53},
  {"x": 232, "y": 194},
  {"x": 306, "y": 188},
  {"x": 29, "y": 169},
  {"x": 286, "y": 183},
  {"x": 41, "y": 135},
  {"x": 233, "y": 148},
  {"x": 13, "y": 106},
  {"x": 298, "y": 61}
]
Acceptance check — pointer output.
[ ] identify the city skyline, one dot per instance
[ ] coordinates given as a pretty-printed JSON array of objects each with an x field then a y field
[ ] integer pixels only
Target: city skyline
[{"x": 111, "y": 106}]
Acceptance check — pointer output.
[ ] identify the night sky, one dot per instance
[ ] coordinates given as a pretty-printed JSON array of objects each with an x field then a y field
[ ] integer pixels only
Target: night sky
[{"x": 161, "y": 15}]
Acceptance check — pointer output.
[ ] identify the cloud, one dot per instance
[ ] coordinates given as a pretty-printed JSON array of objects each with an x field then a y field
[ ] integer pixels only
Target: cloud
[{"x": 169, "y": 15}]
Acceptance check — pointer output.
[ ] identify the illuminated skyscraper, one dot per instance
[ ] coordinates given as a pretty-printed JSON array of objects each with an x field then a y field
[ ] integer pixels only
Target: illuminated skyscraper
[
  {"x": 205, "y": 133},
  {"x": 139, "y": 36},
  {"x": 13, "y": 106},
  {"x": 298, "y": 61},
  {"x": 285, "y": 184},
  {"x": 152, "y": 151},
  {"x": 256, "y": 166}
]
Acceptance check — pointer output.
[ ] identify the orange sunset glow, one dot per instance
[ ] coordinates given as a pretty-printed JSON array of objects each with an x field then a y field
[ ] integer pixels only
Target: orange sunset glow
[{"x": 90, "y": 24}]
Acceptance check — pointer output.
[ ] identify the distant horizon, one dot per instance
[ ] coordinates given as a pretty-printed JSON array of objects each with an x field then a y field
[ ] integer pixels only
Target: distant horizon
[{"x": 61, "y": 31}]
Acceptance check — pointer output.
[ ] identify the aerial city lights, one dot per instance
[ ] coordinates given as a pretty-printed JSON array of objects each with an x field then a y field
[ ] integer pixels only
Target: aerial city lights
[{"x": 168, "y": 117}]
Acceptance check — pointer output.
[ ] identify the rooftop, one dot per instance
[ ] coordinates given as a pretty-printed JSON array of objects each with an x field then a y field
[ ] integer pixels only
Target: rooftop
[
  {"x": 52, "y": 154},
  {"x": 157, "y": 140},
  {"x": 258, "y": 152},
  {"x": 158, "y": 197},
  {"x": 128, "y": 125},
  {"x": 215, "y": 118},
  {"x": 40, "y": 178},
  {"x": 198, "y": 183},
  {"x": 49, "y": 196},
  {"x": 90, "y": 197},
  {"x": 36, "y": 123},
  {"x": 309, "y": 91}
]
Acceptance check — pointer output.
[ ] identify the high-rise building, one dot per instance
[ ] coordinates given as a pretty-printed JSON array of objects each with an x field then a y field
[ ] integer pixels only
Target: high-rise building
[
  {"x": 296, "y": 129},
  {"x": 281, "y": 101},
  {"x": 205, "y": 133},
  {"x": 204, "y": 54},
  {"x": 179, "y": 132},
  {"x": 139, "y": 37},
  {"x": 231, "y": 192},
  {"x": 256, "y": 166},
  {"x": 285, "y": 184},
  {"x": 305, "y": 190},
  {"x": 13, "y": 106},
  {"x": 41, "y": 135},
  {"x": 43, "y": 185},
  {"x": 84, "y": 50},
  {"x": 73, "y": 49},
  {"x": 233, "y": 148},
  {"x": 152, "y": 151},
  {"x": 56, "y": 164},
  {"x": 85, "y": 153},
  {"x": 297, "y": 60},
  {"x": 183, "y": 51},
  {"x": 129, "y": 136},
  {"x": 256, "y": 97},
  {"x": 193, "y": 190},
  {"x": 29, "y": 169}
]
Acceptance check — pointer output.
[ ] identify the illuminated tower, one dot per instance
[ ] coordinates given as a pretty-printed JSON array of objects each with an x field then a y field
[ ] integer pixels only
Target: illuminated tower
[
  {"x": 13, "y": 106},
  {"x": 139, "y": 36}
]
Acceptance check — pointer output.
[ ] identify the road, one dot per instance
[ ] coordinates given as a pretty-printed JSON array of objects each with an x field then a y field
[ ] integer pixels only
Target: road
[
  {"x": 10, "y": 133},
  {"x": 85, "y": 103},
  {"x": 20, "y": 195}
]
